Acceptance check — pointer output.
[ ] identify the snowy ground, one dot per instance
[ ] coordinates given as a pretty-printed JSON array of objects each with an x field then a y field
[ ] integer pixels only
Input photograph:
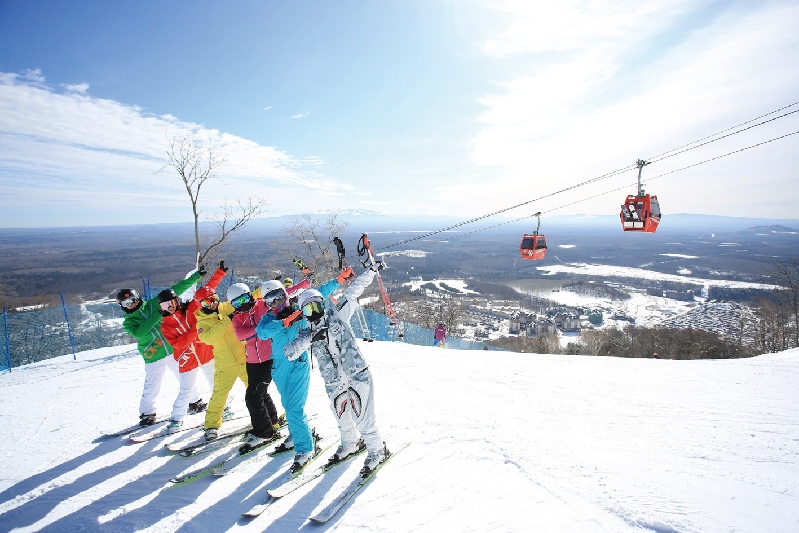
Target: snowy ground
[
  {"x": 610, "y": 271},
  {"x": 647, "y": 310},
  {"x": 516, "y": 443},
  {"x": 453, "y": 284}
]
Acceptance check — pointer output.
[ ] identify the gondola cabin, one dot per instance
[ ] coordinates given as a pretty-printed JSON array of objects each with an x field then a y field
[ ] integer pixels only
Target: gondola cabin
[
  {"x": 533, "y": 246},
  {"x": 640, "y": 213}
]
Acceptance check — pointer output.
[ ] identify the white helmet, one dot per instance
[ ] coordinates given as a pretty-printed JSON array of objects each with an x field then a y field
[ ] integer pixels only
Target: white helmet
[
  {"x": 236, "y": 290},
  {"x": 276, "y": 301},
  {"x": 315, "y": 312},
  {"x": 271, "y": 285},
  {"x": 309, "y": 295}
]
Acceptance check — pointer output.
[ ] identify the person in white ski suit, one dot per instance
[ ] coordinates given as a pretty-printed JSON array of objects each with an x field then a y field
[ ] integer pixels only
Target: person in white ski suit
[{"x": 328, "y": 334}]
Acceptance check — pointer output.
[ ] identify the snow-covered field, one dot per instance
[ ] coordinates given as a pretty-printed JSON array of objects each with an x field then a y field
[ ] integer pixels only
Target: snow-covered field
[
  {"x": 499, "y": 442},
  {"x": 647, "y": 310},
  {"x": 610, "y": 271},
  {"x": 454, "y": 284}
]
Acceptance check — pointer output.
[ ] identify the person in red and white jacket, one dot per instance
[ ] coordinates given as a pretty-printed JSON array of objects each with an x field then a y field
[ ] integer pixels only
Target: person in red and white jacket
[{"x": 179, "y": 327}]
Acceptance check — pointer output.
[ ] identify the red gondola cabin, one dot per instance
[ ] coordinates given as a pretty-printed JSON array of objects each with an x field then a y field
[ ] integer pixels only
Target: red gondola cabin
[
  {"x": 640, "y": 213},
  {"x": 533, "y": 246}
]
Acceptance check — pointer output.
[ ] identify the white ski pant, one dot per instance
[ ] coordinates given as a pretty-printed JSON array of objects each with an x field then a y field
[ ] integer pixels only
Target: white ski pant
[
  {"x": 188, "y": 391},
  {"x": 352, "y": 401},
  {"x": 153, "y": 377}
]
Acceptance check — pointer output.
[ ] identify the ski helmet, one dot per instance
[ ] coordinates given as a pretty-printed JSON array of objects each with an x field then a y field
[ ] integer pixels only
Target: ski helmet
[
  {"x": 166, "y": 295},
  {"x": 124, "y": 294},
  {"x": 270, "y": 285},
  {"x": 274, "y": 294},
  {"x": 312, "y": 304},
  {"x": 240, "y": 298},
  {"x": 236, "y": 290},
  {"x": 129, "y": 300}
]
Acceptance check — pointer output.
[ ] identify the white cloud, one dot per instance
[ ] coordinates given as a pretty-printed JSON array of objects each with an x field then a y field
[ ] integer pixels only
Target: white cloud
[
  {"x": 81, "y": 88},
  {"x": 592, "y": 86},
  {"x": 33, "y": 77},
  {"x": 301, "y": 115},
  {"x": 72, "y": 149}
]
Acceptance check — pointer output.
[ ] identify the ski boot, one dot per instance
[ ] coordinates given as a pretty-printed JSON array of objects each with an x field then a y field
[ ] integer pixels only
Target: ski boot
[
  {"x": 373, "y": 460},
  {"x": 197, "y": 407},
  {"x": 344, "y": 451}
]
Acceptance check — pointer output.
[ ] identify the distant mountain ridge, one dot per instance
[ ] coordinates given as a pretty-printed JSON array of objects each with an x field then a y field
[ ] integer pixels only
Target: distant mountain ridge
[{"x": 776, "y": 228}]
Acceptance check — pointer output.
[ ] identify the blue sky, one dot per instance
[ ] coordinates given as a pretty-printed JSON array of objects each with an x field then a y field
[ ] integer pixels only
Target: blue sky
[{"x": 412, "y": 107}]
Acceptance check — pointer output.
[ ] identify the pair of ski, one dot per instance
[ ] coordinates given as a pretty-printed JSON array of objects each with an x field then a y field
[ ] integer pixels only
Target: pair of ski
[
  {"x": 226, "y": 463},
  {"x": 130, "y": 429},
  {"x": 159, "y": 431},
  {"x": 330, "y": 511},
  {"x": 200, "y": 445},
  {"x": 138, "y": 428},
  {"x": 292, "y": 481}
]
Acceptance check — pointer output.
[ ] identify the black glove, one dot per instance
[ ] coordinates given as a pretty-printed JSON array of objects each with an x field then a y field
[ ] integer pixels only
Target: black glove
[
  {"x": 319, "y": 335},
  {"x": 222, "y": 266},
  {"x": 285, "y": 312},
  {"x": 377, "y": 265},
  {"x": 202, "y": 270}
]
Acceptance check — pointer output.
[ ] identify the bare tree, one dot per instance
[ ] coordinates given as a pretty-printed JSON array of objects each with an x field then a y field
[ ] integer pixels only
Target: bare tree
[
  {"x": 196, "y": 162},
  {"x": 449, "y": 312},
  {"x": 233, "y": 217},
  {"x": 786, "y": 274},
  {"x": 312, "y": 237},
  {"x": 770, "y": 327}
]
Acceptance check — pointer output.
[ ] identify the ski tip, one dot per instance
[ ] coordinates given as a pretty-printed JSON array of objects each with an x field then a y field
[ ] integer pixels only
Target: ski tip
[{"x": 258, "y": 509}]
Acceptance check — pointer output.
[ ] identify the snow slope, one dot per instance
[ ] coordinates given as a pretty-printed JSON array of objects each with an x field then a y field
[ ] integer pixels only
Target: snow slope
[{"x": 500, "y": 442}]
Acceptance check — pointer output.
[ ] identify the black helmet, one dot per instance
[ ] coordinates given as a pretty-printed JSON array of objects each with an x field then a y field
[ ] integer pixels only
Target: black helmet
[
  {"x": 166, "y": 295},
  {"x": 124, "y": 294},
  {"x": 129, "y": 300}
]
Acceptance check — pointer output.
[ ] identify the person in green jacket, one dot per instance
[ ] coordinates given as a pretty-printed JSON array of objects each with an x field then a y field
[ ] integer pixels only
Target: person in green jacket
[{"x": 143, "y": 322}]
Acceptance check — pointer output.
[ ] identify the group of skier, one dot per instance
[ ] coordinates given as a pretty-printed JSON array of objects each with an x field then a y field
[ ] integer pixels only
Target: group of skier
[{"x": 258, "y": 337}]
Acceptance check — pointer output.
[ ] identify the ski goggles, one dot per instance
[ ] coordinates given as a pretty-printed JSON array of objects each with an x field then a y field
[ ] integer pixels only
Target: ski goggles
[
  {"x": 238, "y": 301},
  {"x": 275, "y": 297},
  {"x": 169, "y": 303},
  {"x": 313, "y": 308},
  {"x": 129, "y": 302},
  {"x": 210, "y": 301}
]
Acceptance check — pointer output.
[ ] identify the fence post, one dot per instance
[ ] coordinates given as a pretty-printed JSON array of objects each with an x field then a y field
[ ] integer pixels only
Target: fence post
[
  {"x": 8, "y": 346},
  {"x": 99, "y": 334},
  {"x": 69, "y": 330}
]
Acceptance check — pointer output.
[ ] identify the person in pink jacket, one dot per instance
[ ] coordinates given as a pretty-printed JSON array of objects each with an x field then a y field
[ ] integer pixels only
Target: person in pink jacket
[
  {"x": 440, "y": 335},
  {"x": 248, "y": 310}
]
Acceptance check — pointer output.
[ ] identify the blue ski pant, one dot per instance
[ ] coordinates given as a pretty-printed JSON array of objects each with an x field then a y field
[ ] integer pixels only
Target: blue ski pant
[{"x": 292, "y": 379}]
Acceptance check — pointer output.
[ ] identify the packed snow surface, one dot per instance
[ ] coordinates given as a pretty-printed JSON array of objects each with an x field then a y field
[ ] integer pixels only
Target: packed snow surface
[{"x": 499, "y": 442}]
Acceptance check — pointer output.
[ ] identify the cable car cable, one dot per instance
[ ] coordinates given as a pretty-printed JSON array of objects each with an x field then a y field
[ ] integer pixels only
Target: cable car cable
[
  {"x": 661, "y": 157},
  {"x": 624, "y": 187},
  {"x": 728, "y": 129}
]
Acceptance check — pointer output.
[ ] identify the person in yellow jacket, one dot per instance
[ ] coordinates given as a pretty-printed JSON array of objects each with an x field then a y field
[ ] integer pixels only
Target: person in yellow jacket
[{"x": 215, "y": 329}]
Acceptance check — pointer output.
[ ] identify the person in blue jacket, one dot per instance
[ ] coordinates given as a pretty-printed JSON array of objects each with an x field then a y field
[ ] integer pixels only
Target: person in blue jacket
[{"x": 291, "y": 378}]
